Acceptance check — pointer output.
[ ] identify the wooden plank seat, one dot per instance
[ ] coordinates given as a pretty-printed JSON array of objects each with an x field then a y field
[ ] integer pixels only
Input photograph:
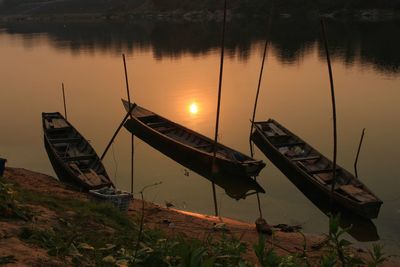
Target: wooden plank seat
[
  {"x": 60, "y": 123},
  {"x": 166, "y": 129},
  {"x": 357, "y": 193},
  {"x": 91, "y": 178},
  {"x": 313, "y": 168},
  {"x": 289, "y": 144},
  {"x": 203, "y": 145},
  {"x": 89, "y": 175},
  {"x": 81, "y": 157},
  {"x": 65, "y": 140},
  {"x": 320, "y": 171},
  {"x": 58, "y": 130},
  {"x": 276, "y": 130},
  {"x": 48, "y": 124},
  {"x": 326, "y": 177},
  {"x": 306, "y": 158},
  {"x": 156, "y": 124},
  {"x": 185, "y": 136}
]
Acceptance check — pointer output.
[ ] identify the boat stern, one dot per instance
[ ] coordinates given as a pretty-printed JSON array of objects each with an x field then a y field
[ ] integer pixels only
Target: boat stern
[{"x": 253, "y": 168}]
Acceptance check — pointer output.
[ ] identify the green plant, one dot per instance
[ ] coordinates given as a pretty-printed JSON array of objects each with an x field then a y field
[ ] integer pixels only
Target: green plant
[
  {"x": 266, "y": 257},
  {"x": 340, "y": 247},
  {"x": 7, "y": 259},
  {"x": 377, "y": 256},
  {"x": 58, "y": 241},
  {"x": 139, "y": 236},
  {"x": 194, "y": 255},
  {"x": 226, "y": 250},
  {"x": 303, "y": 255},
  {"x": 328, "y": 260},
  {"x": 89, "y": 233},
  {"x": 9, "y": 206}
]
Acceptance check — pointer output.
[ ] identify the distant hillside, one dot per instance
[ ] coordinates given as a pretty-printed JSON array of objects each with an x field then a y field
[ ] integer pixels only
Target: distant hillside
[{"x": 244, "y": 7}]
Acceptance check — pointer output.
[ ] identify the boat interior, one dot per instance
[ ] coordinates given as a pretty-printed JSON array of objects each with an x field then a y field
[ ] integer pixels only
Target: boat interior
[
  {"x": 190, "y": 138},
  {"x": 314, "y": 163},
  {"x": 74, "y": 150}
]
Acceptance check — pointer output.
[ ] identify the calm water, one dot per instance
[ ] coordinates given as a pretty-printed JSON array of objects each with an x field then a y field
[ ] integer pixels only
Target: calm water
[{"x": 172, "y": 66}]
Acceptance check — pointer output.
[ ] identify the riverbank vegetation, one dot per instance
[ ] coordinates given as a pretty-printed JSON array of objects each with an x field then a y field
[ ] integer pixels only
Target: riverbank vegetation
[
  {"x": 77, "y": 232},
  {"x": 179, "y": 8}
]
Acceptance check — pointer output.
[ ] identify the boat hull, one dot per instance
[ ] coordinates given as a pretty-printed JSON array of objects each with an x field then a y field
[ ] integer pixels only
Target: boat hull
[
  {"x": 303, "y": 180},
  {"x": 234, "y": 178},
  {"x": 64, "y": 173}
]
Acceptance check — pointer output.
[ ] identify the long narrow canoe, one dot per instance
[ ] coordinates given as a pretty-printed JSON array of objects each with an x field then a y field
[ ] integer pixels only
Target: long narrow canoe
[
  {"x": 306, "y": 167},
  {"x": 195, "y": 151},
  {"x": 72, "y": 157}
]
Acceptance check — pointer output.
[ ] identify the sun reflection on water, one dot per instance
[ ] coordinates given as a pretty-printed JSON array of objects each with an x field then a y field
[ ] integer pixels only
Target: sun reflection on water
[{"x": 193, "y": 108}]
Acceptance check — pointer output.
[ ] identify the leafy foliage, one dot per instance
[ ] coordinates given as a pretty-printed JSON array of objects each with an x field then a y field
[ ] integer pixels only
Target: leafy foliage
[
  {"x": 339, "y": 247},
  {"x": 266, "y": 257},
  {"x": 337, "y": 251},
  {"x": 9, "y": 206},
  {"x": 99, "y": 234},
  {"x": 96, "y": 234},
  {"x": 7, "y": 259},
  {"x": 377, "y": 256}
]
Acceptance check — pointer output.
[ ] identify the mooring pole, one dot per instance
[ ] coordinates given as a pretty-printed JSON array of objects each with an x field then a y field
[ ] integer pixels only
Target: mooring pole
[
  {"x": 65, "y": 105},
  {"x": 126, "y": 80},
  {"x": 254, "y": 114},
  {"x": 256, "y": 99},
  {"x": 132, "y": 136},
  {"x": 259, "y": 82},
  {"x": 358, "y": 153},
  {"x": 116, "y": 132},
  {"x": 257, "y": 94},
  {"x": 328, "y": 59},
  {"x": 221, "y": 68}
]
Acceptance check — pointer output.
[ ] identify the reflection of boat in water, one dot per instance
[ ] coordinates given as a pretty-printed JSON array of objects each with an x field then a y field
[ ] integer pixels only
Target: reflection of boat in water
[
  {"x": 232, "y": 170},
  {"x": 360, "y": 228},
  {"x": 305, "y": 166},
  {"x": 72, "y": 157}
]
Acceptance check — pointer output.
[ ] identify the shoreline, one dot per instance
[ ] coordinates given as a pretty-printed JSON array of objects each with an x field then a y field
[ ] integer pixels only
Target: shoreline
[
  {"x": 173, "y": 222},
  {"x": 201, "y": 16}
]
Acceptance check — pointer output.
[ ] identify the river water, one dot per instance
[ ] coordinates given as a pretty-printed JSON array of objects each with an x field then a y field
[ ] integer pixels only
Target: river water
[{"x": 173, "y": 70}]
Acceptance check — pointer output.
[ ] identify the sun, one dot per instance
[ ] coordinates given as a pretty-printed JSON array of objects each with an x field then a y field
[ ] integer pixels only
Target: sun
[{"x": 194, "y": 108}]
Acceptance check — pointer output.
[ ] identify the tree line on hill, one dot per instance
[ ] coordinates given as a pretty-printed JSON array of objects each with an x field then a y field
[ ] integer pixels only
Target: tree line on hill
[{"x": 245, "y": 7}]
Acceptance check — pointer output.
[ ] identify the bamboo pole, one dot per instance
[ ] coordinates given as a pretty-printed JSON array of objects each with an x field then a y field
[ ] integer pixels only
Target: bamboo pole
[
  {"x": 116, "y": 132},
  {"x": 65, "y": 105},
  {"x": 132, "y": 136},
  {"x": 358, "y": 153},
  {"x": 126, "y": 81},
  {"x": 257, "y": 94},
  {"x": 259, "y": 80},
  {"x": 254, "y": 114},
  {"x": 221, "y": 68},
  {"x": 333, "y": 108},
  {"x": 256, "y": 100}
]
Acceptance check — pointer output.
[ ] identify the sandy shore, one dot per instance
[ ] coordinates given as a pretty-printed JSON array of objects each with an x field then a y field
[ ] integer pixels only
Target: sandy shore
[{"x": 169, "y": 220}]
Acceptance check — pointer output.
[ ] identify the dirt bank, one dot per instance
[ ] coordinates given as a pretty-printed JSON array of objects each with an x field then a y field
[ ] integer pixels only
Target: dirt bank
[{"x": 171, "y": 221}]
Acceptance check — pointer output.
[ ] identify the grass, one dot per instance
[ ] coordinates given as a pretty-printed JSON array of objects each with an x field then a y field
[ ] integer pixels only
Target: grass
[
  {"x": 101, "y": 213},
  {"x": 7, "y": 259},
  {"x": 87, "y": 233},
  {"x": 9, "y": 206}
]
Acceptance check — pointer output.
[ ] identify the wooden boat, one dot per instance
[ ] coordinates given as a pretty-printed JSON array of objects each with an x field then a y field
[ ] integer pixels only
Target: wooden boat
[
  {"x": 195, "y": 151},
  {"x": 72, "y": 157},
  {"x": 306, "y": 167}
]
